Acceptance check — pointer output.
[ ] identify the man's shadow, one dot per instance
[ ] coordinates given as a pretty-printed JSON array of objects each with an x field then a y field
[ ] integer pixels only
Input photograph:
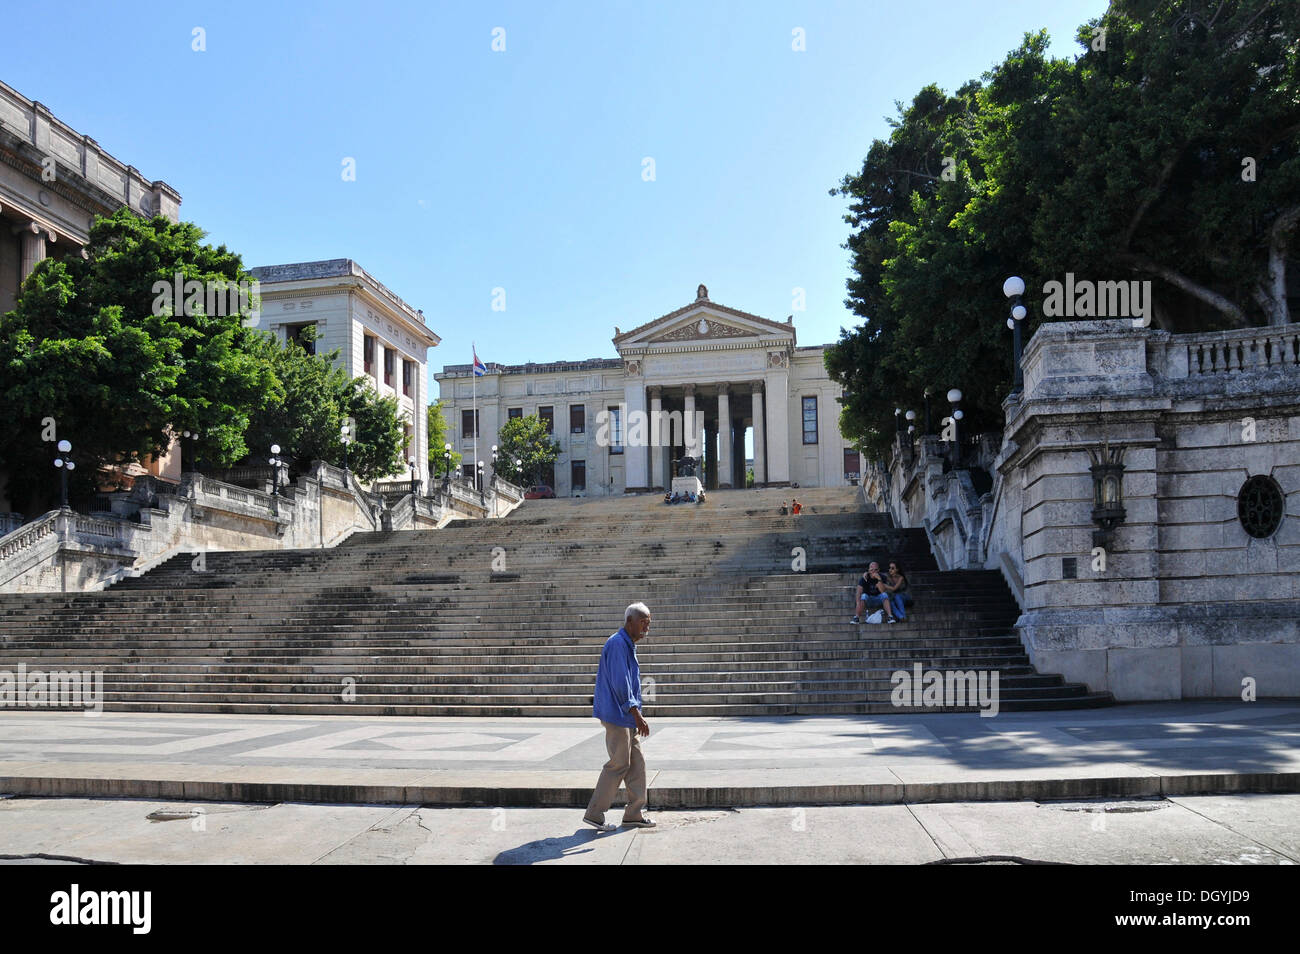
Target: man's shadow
[{"x": 548, "y": 849}]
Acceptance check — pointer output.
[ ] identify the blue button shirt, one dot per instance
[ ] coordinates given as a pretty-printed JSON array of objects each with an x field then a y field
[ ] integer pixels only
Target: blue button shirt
[{"x": 618, "y": 681}]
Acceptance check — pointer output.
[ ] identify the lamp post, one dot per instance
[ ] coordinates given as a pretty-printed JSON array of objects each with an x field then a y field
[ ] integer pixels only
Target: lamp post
[
  {"x": 898, "y": 422},
  {"x": 446, "y": 466},
  {"x": 194, "y": 436},
  {"x": 345, "y": 435},
  {"x": 64, "y": 465},
  {"x": 275, "y": 463},
  {"x": 478, "y": 478},
  {"x": 1013, "y": 288},
  {"x": 519, "y": 469},
  {"x": 411, "y": 460},
  {"x": 494, "y": 462},
  {"x": 954, "y": 398},
  {"x": 910, "y": 417}
]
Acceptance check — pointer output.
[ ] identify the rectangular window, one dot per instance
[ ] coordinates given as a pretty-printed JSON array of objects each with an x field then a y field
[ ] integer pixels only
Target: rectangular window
[
  {"x": 369, "y": 351},
  {"x": 810, "y": 420},
  {"x": 514, "y": 412},
  {"x": 851, "y": 463},
  {"x": 467, "y": 471},
  {"x": 469, "y": 423},
  {"x": 578, "y": 475},
  {"x": 547, "y": 414},
  {"x": 390, "y": 356},
  {"x": 408, "y": 378},
  {"x": 616, "y": 430},
  {"x": 294, "y": 333},
  {"x": 577, "y": 419}
]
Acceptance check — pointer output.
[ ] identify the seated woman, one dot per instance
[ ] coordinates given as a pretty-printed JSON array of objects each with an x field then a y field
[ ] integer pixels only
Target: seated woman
[
  {"x": 796, "y": 507},
  {"x": 893, "y": 589}
]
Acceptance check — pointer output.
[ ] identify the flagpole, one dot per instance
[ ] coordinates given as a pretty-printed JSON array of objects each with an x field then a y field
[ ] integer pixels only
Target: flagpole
[{"x": 473, "y": 371}]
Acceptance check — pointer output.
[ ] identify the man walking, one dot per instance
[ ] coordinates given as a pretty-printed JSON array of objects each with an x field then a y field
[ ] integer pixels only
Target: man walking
[{"x": 617, "y": 704}]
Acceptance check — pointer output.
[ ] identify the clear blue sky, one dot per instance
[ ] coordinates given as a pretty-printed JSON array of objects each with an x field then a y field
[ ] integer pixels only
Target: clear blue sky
[{"x": 519, "y": 169}]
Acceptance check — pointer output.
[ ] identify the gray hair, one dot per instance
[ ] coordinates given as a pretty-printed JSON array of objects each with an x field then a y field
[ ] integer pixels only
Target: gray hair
[{"x": 639, "y": 610}]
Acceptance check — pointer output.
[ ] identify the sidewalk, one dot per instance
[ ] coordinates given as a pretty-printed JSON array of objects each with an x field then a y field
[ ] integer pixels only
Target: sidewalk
[{"x": 1125, "y": 751}]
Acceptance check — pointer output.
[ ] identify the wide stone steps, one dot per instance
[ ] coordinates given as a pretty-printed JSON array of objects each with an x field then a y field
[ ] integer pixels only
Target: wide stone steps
[{"x": 422, "y": 623}]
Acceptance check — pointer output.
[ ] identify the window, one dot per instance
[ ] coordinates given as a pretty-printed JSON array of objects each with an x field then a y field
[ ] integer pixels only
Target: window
[
  {"x": 616, "y": 430},
  {"x": 810, "y": 420},
  {"x": 578, "y": 475},
  {"x": 294, "y": 333},
  {"x": 547, "y": 474},
  {"x": 547, "y": 414},
  {"x": 851, "y": 463},
  {"x": 467, "y": 471},
  {"x": 408, "y": 378},
  {"x": 514, "y": 412},
  {"x": 469, "y": 423},
  {"x": 577, "y": 419},
  {"x": 369, "y": 352},
  {"x": 390, "y": 356}
]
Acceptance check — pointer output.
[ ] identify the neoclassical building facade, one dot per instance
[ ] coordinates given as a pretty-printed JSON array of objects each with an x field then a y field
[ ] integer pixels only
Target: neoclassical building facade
[
  {"x": 737, "y": 373},
  {"x": 377, "y": 334}
]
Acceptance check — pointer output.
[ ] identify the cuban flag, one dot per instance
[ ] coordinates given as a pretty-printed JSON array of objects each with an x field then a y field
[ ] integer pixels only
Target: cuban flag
[{"x": 480, "y": 368}]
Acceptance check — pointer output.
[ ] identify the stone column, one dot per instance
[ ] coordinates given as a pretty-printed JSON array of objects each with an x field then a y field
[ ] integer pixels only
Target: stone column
[
  {"x": 691, "y": 434},
  {"x": 655, "y": 439},
  {"x": 635, "y": 455},
  {"x": 760, "y": 437},
  {"x": 33, "y": 239},
  {"x": 778, "y": 426},
  {"x": 724, "y": 437}
]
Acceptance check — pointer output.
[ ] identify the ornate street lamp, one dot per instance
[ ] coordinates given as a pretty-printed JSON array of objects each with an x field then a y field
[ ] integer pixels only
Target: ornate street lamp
[
  {"x": 411, "y": 460},
  {"x": 275, "y": 463},
  {"x": 1107, "y": 492},
  {"x": 194, "y": 436},
  {"x": 910, "y": 416},
  {"x": 446, "y": 466},
  {"x": 64, "y": 465},
  {"x": 478, "y": 481},
  {"x": 1013, "y": 288},
  {"x": 345, "y": 435},
  {"x": 898, "y": 422},
  {"x": 954, "y": 398}
]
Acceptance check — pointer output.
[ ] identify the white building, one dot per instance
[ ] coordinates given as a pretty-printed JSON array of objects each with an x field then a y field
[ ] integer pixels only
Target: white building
[
  {"x": 376, "y": 333},
  {"x": 743, "y": 373}
]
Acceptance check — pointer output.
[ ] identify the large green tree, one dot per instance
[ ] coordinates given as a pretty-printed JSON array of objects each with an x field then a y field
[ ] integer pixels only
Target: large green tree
[
  {"x": 312, "y": 399},
  {"x": 525, "y": 439},
  {"x": 438, "y": 440},
  {"x": 90, "y": 346},
  {"x": 1168, "y": 151}
]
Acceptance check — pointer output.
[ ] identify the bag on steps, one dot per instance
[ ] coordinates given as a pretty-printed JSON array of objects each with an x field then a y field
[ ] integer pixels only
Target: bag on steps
[{"x": 877, "y": 617}]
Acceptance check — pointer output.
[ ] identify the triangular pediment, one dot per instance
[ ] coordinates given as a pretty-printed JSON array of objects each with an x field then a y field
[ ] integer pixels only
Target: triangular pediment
[{"x": 703, "y": 320}]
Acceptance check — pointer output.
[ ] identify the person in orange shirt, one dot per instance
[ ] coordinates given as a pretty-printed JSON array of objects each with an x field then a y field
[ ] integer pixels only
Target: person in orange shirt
[{"x": 797, "y": 506}]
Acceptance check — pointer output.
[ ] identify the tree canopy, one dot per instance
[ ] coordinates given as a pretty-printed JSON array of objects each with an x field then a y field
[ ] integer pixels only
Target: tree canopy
[
  {"x": 1166, "y": 152},
  {"x": 525, "y": 439}
]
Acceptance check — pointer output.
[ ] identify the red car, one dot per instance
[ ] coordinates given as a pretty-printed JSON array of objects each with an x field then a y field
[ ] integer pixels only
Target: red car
[{"x": 539, "y": 492}]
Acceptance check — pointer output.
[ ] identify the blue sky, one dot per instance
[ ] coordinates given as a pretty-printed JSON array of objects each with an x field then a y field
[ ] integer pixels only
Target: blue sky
[{"x": 520, "y": 169}]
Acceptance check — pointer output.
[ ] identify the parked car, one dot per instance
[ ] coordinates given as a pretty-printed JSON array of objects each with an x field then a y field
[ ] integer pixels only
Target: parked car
[{"x": 539, "y": 492}]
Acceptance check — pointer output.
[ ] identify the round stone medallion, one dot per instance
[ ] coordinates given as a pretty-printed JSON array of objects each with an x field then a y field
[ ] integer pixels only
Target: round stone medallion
[{"x": 1260, "y": 505}]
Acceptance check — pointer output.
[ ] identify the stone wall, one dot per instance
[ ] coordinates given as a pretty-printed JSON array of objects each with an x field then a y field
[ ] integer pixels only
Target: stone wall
[
  {"x": 1183, "y": 603},
  {"x": 68, "y": 551}
]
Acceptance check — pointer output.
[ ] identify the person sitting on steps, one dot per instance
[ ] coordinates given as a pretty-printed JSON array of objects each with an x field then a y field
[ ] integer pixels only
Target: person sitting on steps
[
  {"x": 895, "y": 590},
  {"x": 796, "y": 507},
  {"x": 868, "y": 593},
  {"x": 784, "y": 509}
]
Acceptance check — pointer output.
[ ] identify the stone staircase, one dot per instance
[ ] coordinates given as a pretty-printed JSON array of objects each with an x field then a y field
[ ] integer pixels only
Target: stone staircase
[{"x": 507, "y": 617}]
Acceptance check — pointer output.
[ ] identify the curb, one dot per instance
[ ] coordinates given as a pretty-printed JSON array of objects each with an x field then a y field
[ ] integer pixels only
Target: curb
[{"x": 710, "y": 797}]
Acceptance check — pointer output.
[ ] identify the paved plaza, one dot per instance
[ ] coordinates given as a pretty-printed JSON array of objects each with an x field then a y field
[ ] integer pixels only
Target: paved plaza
[{"x": 1126, "y": 751}]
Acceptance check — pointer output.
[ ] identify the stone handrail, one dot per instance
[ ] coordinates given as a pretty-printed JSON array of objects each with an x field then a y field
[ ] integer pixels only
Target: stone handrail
[
  {"x": 1226, "y": 352},
  {"x": 9, "y": 522},
  {"x": 27, "y": 536}
]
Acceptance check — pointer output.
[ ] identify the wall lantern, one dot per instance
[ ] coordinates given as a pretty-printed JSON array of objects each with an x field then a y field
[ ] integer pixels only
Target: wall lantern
[{"x": 1107, "y": 492}]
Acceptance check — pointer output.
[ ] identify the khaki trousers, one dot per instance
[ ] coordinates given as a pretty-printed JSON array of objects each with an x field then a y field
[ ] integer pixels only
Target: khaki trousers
[{"x": 626, "y": 765}]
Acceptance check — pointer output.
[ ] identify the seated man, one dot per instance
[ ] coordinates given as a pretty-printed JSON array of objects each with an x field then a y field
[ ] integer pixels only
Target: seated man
[
  {"x": 868, "y": 594},
  {"x": 784, "y": 509}
]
